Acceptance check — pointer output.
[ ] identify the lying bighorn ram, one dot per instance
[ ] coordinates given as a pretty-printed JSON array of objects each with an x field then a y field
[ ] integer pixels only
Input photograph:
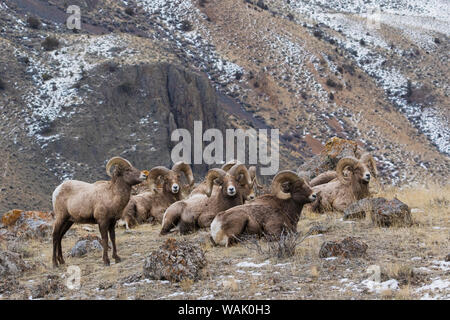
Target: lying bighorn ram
[
  {"x": 350, "y": 183},
  {"x": 151, "y": 205},
  {"x": 199, "y": 209},
  {"x": 269, "y": 214}
]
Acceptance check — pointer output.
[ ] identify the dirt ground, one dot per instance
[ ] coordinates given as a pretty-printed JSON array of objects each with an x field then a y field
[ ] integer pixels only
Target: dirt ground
[{"x": 411, "y": 260}]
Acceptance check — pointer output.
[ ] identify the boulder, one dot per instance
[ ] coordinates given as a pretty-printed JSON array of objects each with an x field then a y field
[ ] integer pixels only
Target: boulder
[
  {"x": 175, "y": 261},
  {"x": 28, "y": 224},
  {"x": 318, "y": 229},
  {"x": 86, "y": 244},
  {"x": 349, "y": 247},
  {"x": 383, "y": 212},
  {"x": 358, "y": 209},
  {"x": 391, "y": 213},
  {"x": 51, "y": 284},
  {"x": 11, "y": 264}
]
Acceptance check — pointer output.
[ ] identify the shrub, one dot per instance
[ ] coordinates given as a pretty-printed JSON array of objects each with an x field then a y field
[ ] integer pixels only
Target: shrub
[
  {"x": 238, "y": 75},
  {"x": 34, "y": 22},
  {"x": 280, "y": 247},
  {"x": 262, "y": 5},
  {"x": 126, "y": 87},
  {"x": 202, "y": 3},
  {"x": 46, "y": 77},
  {"x": 186, "y": 26},
  {"x": 318, "y": 34},
  {"x": 2, "y": 85},
  {"x": 331, "y": 83},
  {"x": 50, "y": 43},
  {"x": 362, "y": 42},
  {"x": 290, "y": 16},
  {"x": 129, "y": 11}
]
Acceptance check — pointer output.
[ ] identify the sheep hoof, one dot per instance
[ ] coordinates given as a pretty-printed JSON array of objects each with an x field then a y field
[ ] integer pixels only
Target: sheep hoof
[
  {"x": 106, "y": 263},
  {"x": 117, "y": 259}
]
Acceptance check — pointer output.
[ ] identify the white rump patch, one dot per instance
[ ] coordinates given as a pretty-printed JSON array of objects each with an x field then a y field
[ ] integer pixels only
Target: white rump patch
[
  {"x": 217, "y": 233},
  {"x": 55, "y": 194}
]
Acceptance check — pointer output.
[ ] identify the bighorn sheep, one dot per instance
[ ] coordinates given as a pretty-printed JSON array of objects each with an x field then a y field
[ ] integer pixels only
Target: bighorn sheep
[
  {"x": 269, "y": 214},
  {"x": 151, "y": 205},
  {"x": 199, "y": 209},
  {"x": 351, "y": 183},
  {"x": 249, "y": 192},
  {"x": 99, "y": 203}
]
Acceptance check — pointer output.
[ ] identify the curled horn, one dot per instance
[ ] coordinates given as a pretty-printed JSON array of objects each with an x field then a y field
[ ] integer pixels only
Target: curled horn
[
  {"x": 342, "y": 164},
  {"x": 211, "y": 176},
  {"x": 227, "y": 166},
  {"x": 367, "y": 159},
  {"x": 116, "y": 161},
  {"x": 154, "y": 174},
  {"x": 280, "y": 178},
  {"x": 239, "y": 168},
  {"x": 254, "y": 178},
  {"x": 181, "y": 166}
]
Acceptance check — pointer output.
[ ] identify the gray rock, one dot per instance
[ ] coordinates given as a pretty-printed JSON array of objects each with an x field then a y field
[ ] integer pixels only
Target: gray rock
[
  {"x": 11, "y": 264},
  {"x": 383, "y": 212},
  {"x": 175, "y": 261},
  {"x": 349, "y": 247},
  {"x": 358, "y": 209},
  {"x": 85, "y": 245},
  {"x": 52, "y": 284}
]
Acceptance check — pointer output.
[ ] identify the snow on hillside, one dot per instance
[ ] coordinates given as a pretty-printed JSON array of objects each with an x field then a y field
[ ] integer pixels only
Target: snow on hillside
[
  {"x": 417, "y": 20},
  {"x": 59, "y": 96},
  {"x": 194, "y": 42}
]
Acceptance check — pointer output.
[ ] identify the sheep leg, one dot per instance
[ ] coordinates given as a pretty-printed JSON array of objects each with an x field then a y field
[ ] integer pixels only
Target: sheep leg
[
  {"x": 56, "y": 240},
  {"x": 112, "y": 235},
  {"x": 65, "y": 227},
  {"x": 104, "y": 233},
  {"x": 170, "y": 219}
]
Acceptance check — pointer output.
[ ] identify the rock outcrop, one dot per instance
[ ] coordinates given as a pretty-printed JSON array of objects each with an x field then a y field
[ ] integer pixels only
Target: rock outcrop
[
  {"x": 175, "y": 261},
  {"x": 383, "y": 212},
  {"x": 349, "y": 247}
]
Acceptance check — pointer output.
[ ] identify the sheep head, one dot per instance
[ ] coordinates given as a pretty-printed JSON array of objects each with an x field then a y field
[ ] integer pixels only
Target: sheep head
[
  {"x": 183, "y": 167},
  {"x": 369, "y": 161},
  {"x": 351, "y": 170},
  {"x": 124, "y": 169},
  {"x": 232, "y": 182},
  {"x": 287, "y": 184},
  {"x": 170, "y": 179},
  {"x": 248, "y": 191}
]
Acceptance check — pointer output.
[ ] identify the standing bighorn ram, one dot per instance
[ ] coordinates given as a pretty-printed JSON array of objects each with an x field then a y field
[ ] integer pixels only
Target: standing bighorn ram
[
  {"x": 348, "y": 184},
  {"x": 99, "y": 203},
  {"x": 269, "y": 214},
  {"x": 151, "y": 205},
  {"x": 199, "y": 209}
]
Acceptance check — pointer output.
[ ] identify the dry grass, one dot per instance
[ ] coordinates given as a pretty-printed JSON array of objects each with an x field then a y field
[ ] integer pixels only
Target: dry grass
[{"x": 407, "y": 255}]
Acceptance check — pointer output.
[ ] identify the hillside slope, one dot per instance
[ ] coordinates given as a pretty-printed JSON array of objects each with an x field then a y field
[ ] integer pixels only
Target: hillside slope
[{"x": 312, "y": 69}]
